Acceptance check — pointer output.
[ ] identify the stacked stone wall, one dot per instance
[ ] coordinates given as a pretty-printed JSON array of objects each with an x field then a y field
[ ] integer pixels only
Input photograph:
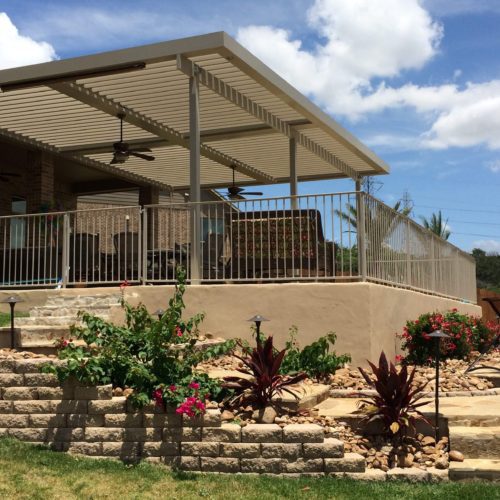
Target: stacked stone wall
[{"x": 35, "y": 408}]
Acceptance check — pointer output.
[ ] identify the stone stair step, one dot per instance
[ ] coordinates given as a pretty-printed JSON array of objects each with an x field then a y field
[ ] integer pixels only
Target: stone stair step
[
  {"x": 46, "y": 321},
  {"x": 476, "y": 442},
  {"x": 85, "y": 300},
  {"x": 57, "y": 311},
  {"x": 475, "y": 468}
]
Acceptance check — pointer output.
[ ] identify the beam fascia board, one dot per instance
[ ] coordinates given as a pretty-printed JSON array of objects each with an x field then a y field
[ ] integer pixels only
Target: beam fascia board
[
  {"x": 113, "y": 108},
  {"x": 82, "y": 160},
  {"x": 220, "y": 134},
  {"x": 226, "y": 91}
]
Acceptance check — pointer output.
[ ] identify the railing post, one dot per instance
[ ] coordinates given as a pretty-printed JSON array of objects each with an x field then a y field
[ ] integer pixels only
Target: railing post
[
  {"x": 65, "y": 251},
  {"x": 408, "y": 249},
  {"x": 433, "y": 266},
  {"x": 292, "y": 148},
  {"x": 361, "y": 231},
  {"x": 143, "y": 215}
]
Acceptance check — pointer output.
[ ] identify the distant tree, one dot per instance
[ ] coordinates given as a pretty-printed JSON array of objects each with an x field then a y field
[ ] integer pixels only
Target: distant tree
[
  {"x": 436, "y": 225},
  {"x": 487, "y": 269}
]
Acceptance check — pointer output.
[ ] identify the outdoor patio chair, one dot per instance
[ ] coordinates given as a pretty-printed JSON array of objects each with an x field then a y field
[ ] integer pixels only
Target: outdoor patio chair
[
  {"x": 84, "y": 257},
  {"x": 127, "y": 255},
  {"x": 213, "y": 251}
]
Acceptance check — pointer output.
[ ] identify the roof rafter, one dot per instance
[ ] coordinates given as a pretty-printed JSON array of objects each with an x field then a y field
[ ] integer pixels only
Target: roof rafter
[
  {"x": 111, "y": 107},
  {"x": 87, "y": 162},
  {"x": 229, "y": 93}
]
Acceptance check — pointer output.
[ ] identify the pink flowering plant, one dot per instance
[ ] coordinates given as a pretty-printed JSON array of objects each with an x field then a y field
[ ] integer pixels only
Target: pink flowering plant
[
  {"x": 189, "y": 398},
  {"x": 466, "y": 334},
  {"x": 143, "y": 353}
]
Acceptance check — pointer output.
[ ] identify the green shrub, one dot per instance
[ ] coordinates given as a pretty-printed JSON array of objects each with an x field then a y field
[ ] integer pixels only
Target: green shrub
[
  {"x": 315, "y": 359},
  {"x": 467, "y": 333},
  {"x": 146, "y": 354}
]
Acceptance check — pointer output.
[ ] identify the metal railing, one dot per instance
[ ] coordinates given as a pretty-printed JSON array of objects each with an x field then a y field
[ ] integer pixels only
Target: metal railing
[
  {"x": 301, "y": 238},
  {"x": 400, "y": 252}
]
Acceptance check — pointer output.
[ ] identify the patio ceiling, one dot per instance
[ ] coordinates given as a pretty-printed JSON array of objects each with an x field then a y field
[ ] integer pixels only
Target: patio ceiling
[{"x": 248, "y": 115}]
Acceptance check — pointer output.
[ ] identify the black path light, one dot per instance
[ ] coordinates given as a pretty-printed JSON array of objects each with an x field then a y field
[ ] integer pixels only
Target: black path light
[
  {"x": 258, "y": 319},
  {"x": 12, "y": 301},
  {"x": 159, "y": 313},
  {"x": 437, "y": 336}
]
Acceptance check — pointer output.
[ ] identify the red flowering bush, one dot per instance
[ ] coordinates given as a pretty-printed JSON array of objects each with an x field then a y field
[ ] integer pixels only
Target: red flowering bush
[{"x": 466, "y": 333}]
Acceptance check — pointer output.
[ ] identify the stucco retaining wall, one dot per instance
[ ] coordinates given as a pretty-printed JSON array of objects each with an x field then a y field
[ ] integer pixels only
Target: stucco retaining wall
[{"x": 365, "y": 316}]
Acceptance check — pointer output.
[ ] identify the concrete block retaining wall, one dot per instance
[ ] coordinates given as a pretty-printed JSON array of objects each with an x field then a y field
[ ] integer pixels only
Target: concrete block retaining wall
[{"x": 35, "y": 408}]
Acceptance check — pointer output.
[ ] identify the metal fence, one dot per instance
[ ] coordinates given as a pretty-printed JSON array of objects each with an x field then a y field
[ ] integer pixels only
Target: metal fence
[{"x": 302, "y": 238}]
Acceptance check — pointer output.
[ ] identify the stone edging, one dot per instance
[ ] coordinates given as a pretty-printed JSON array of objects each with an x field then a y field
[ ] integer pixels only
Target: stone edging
[{"x": 349, "y": 393}]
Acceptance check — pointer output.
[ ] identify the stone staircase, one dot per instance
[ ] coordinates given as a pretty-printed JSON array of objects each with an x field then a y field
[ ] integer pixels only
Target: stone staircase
[
  {"x": 53, "y": 320},
  {"x": 478, "y": 439}
]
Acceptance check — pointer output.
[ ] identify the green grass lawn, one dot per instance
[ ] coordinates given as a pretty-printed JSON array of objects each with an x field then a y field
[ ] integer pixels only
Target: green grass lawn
[
  {"x": 32, "y": 472},
  {"x": 5, "y": 317}
]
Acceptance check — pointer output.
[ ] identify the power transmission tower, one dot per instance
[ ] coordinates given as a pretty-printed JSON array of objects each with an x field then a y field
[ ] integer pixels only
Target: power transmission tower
[
  {"x": 407, "y": 202},
  {"x": 371, "y": 186}
]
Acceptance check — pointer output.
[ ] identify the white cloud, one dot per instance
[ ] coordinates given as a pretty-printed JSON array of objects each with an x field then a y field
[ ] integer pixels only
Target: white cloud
[
  {"x": 363, "y": 40},
  {"x": 366, "y": 41},
  {"x": 494, "y": 166},
  {"x": 487, "y": 245},
  {"x": 19, "y": 50}
]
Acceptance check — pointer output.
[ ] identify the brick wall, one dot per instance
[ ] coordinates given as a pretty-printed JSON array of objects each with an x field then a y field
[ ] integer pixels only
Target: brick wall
[{"x": 89, "y": 421}]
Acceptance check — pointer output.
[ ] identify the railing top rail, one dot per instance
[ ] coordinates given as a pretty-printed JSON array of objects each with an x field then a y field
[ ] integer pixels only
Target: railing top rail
[
  {"x": 63, "y": 212},
  {"x": 420, "y": 228},
  {"x": 251, "y": 200}
]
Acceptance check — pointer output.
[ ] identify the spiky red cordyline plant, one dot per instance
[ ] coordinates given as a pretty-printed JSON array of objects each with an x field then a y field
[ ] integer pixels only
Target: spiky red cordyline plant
[
  {"x": 262, "y": 365},
  {"x": 396, "y": 401}
]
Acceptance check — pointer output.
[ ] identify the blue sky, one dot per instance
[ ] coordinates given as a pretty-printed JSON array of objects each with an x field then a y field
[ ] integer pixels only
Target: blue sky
[{"x": 417, "y": 81}]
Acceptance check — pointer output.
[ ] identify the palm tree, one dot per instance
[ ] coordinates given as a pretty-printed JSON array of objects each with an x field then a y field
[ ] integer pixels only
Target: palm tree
[
  {"x": 437, "y": 225},
  {"x": 350, "y": 215}
]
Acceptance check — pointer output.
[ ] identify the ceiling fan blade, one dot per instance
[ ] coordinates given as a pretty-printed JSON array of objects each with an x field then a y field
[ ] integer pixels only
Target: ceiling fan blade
[
  {"x": 4, "y": 179},
  {"x": 141, "y": 150},
  {"x": 114, "y": 161},
  {"x": 252, "y": 193},
  {"x": 140, "y": 155},
  {"x": 235, "y": 196},
  {"x": 10, "y": 174}
]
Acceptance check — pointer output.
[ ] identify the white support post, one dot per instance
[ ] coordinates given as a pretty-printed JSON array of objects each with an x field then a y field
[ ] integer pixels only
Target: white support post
[
  {"x": 194, "y": 176},
  {"x": 293, "y": 171},
  {"x": 65, "y": 251},
  {"x": 361, "y": 230}
]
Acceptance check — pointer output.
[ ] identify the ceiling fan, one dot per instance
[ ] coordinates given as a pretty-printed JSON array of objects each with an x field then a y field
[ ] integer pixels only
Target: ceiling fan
[
  {"x": 235, "y": 192},
  {"x": 121, "y": 150},
  {"x": 5, "y": 176}
]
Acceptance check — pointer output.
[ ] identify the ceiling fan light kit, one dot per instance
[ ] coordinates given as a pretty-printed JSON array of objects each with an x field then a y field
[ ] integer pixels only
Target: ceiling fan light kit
[
  {"x": 121, "y": 150},
  {"x": 235, "y": 192}
]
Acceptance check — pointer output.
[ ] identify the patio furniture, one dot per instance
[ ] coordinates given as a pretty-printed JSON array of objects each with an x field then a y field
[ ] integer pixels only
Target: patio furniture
[
  {"x": 214, "y": 267},
  {"x": 85, "y": 257},
  {"x": 278, "y": 244},
  {"x": 126, "y": 246}
]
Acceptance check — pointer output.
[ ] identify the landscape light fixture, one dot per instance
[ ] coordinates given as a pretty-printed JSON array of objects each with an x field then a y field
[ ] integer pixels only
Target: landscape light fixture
[
  {"x": 437, "y": 335},
  {"x": 12, "y": 301},
  {"x": 258, "y": 319},
  {"x": 159, "y": 313}
]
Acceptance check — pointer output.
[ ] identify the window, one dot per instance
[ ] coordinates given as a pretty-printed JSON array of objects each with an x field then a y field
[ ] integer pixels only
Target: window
[{"x": 18, "y": 224}]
